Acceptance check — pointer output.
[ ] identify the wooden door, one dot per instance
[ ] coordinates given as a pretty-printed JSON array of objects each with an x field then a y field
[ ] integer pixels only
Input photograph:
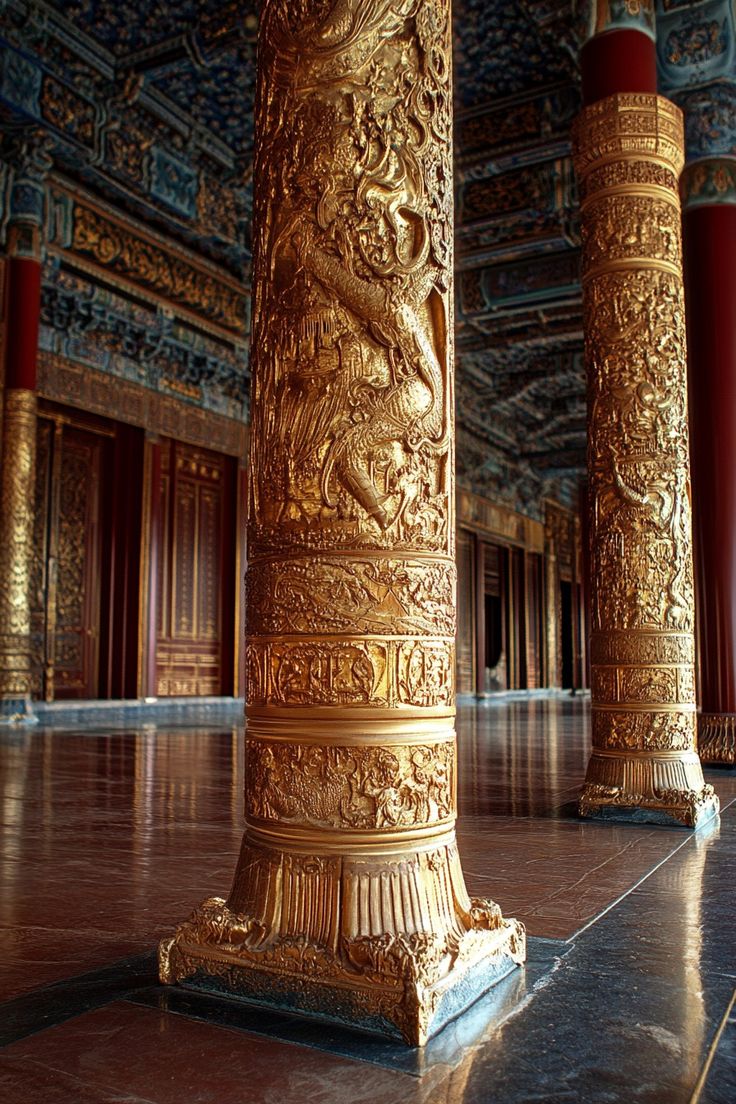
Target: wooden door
[
  {"x": 534, "y": 621},
  {"x": 495, "y": 594},
  {"x": 465, "y": 606},
  {"x": 196, "y": 599},
  {"x": 72, "y": 461}
]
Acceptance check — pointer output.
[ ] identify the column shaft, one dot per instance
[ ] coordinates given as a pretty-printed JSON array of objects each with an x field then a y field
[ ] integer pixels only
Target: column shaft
[
  {"x": 709, "y": 250},
  {"x": 618, "y": 61},
  {"x": 17, "y": 487},
  {"x": 18, "y": 471},
  {"x": 349, "y": 899},
  {"x": 628, "y": 154}
]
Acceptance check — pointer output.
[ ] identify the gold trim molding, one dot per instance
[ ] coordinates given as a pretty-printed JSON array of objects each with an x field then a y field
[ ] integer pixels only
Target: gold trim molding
[
  {"x": 63, "y": 381},
  {"x": 476, "y": 512}
]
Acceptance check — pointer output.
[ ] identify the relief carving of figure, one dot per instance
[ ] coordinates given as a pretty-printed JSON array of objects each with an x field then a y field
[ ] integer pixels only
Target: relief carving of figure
[{"x": 356, "y": 787}]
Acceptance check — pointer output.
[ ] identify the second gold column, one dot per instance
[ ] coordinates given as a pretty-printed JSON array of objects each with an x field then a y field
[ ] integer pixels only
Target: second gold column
[{"x": 628, "y": 155}]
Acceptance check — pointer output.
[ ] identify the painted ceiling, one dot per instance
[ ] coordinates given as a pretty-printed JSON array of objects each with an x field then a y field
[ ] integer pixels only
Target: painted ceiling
[
  {"x": 167, "y": 87},
  {"x": 150, "y": 106}
]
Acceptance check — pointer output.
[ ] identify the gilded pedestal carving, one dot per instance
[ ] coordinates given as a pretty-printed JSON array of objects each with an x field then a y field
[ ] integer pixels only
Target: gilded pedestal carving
[
  {"x": 628, "y": 154},
  {"x": 349, "y": 900},
  {"x": 717, "y": 738},
  {"x": 17, "y": 485}
]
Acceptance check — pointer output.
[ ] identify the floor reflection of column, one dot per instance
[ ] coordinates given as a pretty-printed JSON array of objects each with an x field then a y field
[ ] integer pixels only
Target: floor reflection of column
[
  {"x": 687, "y": 884},
  {"x": 349, "y": 901}
]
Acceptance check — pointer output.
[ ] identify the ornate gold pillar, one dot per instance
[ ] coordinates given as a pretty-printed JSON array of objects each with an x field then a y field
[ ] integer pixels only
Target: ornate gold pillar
[
  {"x": 628, "y": 151},
  {"x": 18, "y": 470},
  {"x": 17, "y": 486},
  {"x": 349, "y": 900}
]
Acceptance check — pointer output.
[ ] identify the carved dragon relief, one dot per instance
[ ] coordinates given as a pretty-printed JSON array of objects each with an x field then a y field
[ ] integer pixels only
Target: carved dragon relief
[
  {"x": 352, "y": 411},
  {"x": 639, "y": 474}
]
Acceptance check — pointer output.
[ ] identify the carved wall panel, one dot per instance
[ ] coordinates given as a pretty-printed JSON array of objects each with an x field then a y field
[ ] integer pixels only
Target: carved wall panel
[
  {"x": 628, "y": 152},
  {"x": 75, "y": 531},
  {"x": 77, "y": 581}
]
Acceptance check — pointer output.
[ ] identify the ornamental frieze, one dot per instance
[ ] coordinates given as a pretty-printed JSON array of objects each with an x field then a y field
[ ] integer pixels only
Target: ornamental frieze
[
  {"x": 645, "y": 731},
  {"x": 392, "y": 596},
  {"x": 643, "y": 685},
  {"x": 642, "y": 648},
  {"x": 613, "y": 174},
  {"x": 404, "y": 786},
  {"x": 117, "y": 247},
  {"x": 622, "y": 227},
  {"x": 91, "y": 325},
  {"x": 634, "y": 124},
  {"x": 77, "y": 385},
  {"x": 354, "y": 672}
]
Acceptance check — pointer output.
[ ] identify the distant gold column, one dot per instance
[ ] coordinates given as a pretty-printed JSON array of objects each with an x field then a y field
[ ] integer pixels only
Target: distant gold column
[
  {"x": 17, "y": 486},
  {"x": 628, "y": 151},
  {"x": 349, "y": 900}
]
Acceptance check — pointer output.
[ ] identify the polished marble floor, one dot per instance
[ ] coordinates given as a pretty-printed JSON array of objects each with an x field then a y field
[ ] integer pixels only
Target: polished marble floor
[{"x": 111, "y": 834}]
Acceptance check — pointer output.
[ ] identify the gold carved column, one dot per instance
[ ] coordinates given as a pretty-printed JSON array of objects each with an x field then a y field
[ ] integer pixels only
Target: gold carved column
[
  {"x": 628, "y": 151},
  {"x": 17, "y": 493},
  {"x": 349, "y": 900}
]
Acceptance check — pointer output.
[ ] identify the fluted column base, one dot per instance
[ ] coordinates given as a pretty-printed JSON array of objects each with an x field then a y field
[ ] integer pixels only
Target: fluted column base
[
  {"x": 648, "y": 787},
  {"x": 386, "y": 942},
  {"x": 717, "y": 738}
]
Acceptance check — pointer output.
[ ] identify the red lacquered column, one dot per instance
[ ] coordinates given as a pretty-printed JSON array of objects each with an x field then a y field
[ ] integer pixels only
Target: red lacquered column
[
  {"x": 618, "y": 61},
  {"x": 18, "y": 471},
  {"x": 709, "y": 198}
]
